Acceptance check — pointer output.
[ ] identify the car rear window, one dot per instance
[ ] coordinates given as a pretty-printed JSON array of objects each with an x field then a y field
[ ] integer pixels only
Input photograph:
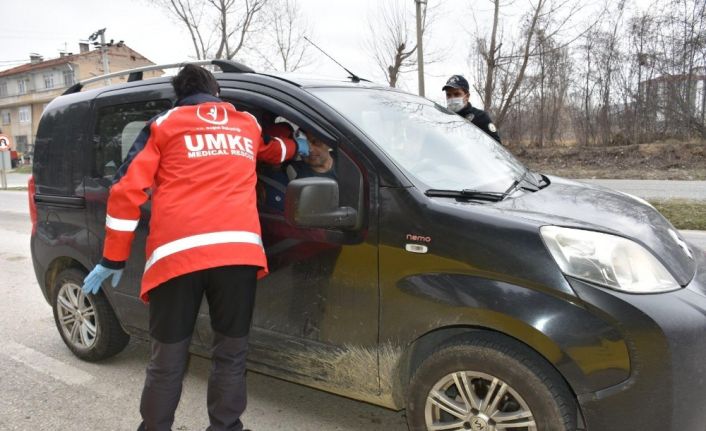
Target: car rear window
[{"x": 117, "y": 127}]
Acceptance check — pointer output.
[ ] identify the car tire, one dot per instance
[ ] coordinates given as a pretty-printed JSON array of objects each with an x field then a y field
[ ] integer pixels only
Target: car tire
[
  {"x": 523, "y": 384},
  {"x": 86, "y": 323}
]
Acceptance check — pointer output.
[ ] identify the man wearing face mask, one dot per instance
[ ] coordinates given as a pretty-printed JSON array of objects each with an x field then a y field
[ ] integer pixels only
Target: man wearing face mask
[{"x": 457, "y": 93}]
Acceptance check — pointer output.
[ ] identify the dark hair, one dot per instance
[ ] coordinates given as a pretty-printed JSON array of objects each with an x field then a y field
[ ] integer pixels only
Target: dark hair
[{"x": 193, "y": 79}]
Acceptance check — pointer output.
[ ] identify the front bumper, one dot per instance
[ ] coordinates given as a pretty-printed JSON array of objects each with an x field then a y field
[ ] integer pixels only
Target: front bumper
[{"x": 666, "y": 337}]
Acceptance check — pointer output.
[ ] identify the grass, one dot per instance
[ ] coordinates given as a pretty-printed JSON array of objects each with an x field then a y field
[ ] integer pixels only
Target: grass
[
  {"x": 612, "y": 173},
  {"x": 26, "y": 169},
  {"x": 684, "y": 214}
]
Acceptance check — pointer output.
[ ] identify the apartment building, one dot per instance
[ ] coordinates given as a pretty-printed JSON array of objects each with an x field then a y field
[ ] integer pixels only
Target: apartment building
[{"x": 27, "y": 89}]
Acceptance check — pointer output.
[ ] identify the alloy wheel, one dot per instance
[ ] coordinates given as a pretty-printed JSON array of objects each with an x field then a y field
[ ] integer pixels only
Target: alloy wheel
[
  {"x": 468, "y": 400},
  {"x": 77, "y": 316}
]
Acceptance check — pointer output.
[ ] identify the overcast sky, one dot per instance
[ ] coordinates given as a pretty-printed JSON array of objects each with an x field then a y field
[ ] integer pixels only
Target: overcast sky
[{"x": 339, "y": 27}]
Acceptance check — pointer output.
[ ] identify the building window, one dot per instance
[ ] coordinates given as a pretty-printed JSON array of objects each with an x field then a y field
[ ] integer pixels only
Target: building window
[
  {"x": 3, "y": 89},
  {"x": 21, "y": 86},
  {"x": 68, "y": 78},
  {"x": 48, "y": 80},
  {"x": 21, "y": 143},
  {"x": 6, "y": 118},
  {"x": 24, "y": 114}
]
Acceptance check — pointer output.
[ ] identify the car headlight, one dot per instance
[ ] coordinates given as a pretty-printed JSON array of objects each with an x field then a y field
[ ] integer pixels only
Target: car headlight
[{"x": 608, "y": 260}]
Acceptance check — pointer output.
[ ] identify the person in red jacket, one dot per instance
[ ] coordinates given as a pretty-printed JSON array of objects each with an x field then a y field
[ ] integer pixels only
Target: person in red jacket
[{"x": 198, "y": 159}]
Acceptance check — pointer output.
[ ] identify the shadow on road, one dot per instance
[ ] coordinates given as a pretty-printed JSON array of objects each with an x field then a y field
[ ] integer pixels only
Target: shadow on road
[{"x": 273, "y": 404}]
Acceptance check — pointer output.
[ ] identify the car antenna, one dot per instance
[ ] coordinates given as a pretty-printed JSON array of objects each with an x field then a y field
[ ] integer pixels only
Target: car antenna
[{"x": 355, "y": 78}]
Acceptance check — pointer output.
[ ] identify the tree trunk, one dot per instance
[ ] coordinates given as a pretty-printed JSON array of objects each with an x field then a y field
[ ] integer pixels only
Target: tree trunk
[
  {"x": 525, "y": 59},
  {"x": 491, "y": 59}
]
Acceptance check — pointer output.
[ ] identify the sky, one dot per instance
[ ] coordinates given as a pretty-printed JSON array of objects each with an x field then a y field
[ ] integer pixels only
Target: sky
[{"x": 340, "y": 27}]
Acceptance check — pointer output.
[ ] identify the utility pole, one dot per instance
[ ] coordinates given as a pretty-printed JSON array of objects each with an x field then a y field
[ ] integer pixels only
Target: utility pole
[
  {"x": 104, "y": 54},
  {"x": 420, "y": 53}
]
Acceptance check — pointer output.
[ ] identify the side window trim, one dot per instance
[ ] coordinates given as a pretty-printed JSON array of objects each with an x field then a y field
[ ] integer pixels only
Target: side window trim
[{"x": 285, "y": 110}]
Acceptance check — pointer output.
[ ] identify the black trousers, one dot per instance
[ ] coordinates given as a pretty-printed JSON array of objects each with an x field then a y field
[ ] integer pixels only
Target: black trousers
[{"x": 174, "y": 306}]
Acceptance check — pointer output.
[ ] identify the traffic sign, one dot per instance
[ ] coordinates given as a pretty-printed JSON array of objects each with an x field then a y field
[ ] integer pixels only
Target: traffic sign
[{"x": 4, "y": 143}]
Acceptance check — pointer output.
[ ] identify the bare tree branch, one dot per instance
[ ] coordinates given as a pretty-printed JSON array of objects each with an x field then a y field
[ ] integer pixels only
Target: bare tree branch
[
  {"x": 392, "y": 39},
  {"x": 229, "y": 22}
]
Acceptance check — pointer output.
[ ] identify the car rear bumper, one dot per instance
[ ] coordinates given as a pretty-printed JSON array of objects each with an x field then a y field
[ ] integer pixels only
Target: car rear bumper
[{"x": 39, "y": 270}]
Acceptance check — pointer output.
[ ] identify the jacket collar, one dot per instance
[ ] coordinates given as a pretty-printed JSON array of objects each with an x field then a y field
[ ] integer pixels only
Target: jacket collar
[
  {"x": 468, "y": 109},
  {"x": 197, "y": 98}
]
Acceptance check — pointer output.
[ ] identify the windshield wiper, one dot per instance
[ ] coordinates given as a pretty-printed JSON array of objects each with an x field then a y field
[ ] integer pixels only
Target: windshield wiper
[
  {"x": 516, "y": 183},
  {"x": 466, "y": 194}
]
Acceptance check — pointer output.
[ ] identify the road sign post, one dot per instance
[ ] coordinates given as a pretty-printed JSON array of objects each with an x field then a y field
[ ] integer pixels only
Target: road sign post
[{"x": 4, "y": 152}]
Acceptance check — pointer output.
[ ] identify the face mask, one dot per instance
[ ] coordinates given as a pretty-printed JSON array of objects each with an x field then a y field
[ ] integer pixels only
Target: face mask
[{"x": 455, "y": 103}]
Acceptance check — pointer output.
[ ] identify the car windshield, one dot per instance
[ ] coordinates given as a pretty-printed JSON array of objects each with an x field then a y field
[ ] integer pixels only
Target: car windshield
[{"x": 436, "y": 148}]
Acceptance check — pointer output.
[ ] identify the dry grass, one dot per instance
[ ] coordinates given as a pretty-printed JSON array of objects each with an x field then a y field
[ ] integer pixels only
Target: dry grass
[
  {"x": 26, "y": 169},
  {"x": 692, "y": 174},
  {"x": 683, "y": 214},
  {"x": 669, "y": 160}
]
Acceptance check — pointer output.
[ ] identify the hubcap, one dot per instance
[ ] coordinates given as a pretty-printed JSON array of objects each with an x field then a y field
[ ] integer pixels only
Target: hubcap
[
  {"x": 469, "y": 400},
  {"x": 77, "y": 316}
]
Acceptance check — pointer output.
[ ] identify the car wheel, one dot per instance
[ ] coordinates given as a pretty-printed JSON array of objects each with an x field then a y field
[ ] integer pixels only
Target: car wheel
[
  {"x": 488, "y": 383},
  {"x": 87, "y": 323}
]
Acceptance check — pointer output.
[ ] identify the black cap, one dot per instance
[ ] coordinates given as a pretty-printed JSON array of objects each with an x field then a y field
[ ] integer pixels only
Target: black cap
[{"x": 456, "y": 81}]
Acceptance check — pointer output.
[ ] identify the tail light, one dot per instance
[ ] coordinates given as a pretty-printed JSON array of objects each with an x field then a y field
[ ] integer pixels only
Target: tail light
[{"x": 31, "y": 190}]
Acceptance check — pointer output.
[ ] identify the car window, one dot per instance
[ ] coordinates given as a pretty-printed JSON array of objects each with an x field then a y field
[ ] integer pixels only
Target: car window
[
  {"x": 436, "y": 148},
  {"x": 116, "y": 128},
  {"x": 273, "y": 180},
  {"x": 127, "y": 138}
]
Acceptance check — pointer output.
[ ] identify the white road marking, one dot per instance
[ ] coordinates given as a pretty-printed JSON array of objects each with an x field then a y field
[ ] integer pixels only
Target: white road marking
[{"x": 45, "y": 364}]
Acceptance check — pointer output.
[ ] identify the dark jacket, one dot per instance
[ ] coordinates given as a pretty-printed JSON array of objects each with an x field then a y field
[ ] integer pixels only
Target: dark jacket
[{"x": 481, "y": 119}]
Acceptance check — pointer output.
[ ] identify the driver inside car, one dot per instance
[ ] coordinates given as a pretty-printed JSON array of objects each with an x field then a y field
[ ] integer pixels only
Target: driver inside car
[{"x": 318, "y": 163}]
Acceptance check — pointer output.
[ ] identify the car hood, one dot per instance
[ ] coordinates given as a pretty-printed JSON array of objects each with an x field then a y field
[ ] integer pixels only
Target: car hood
[{"x": 579, "y": 205}]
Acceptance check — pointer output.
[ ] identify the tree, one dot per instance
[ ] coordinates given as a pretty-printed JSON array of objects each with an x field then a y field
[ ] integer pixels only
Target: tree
[
  {"x": 218, "y": 28},
  {"x": 551, "y": 71},
  {"x": 190, "y": 14},
  {"x": 639, "y": 60},
  {"x": 502, "y": 64},
  {"x": 284, "y": 47},
  {"x": 392, "y": 39},
  {"x": 608, "y": 54},
  {"x": 583, "y": 96},
  {"x": 683, "y": 66}
]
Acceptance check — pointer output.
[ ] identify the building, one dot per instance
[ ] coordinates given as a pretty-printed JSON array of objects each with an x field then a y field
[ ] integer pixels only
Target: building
[
  {"x": 27, "y": 89},
  {"x": 676, "y": 101}
]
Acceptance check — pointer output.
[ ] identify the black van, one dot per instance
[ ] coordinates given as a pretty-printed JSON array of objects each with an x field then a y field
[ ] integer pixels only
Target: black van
[{"x": 435, "y": 274}]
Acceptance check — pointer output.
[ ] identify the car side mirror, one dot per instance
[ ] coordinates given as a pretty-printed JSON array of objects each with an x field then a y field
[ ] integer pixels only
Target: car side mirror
[{"x": 314, "y": 202}]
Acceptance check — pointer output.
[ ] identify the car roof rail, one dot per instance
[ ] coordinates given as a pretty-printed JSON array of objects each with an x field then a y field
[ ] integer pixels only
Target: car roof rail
[{"x": 227, "y": 66}]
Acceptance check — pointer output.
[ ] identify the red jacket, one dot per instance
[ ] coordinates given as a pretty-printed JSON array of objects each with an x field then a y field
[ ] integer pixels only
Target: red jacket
[{"x": 199, "y": 160}]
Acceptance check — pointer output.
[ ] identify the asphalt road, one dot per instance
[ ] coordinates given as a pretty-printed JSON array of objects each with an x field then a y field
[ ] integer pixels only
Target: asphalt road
[
  {"x": 17, "y": 180},
  {"x": 656, "y": 189},
  {"x": 44, "y": 387},
  {"x": 646, "y": 189}
]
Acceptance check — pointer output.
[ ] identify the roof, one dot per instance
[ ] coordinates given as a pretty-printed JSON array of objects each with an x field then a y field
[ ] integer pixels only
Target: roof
[{"x": 28, "y": 67}]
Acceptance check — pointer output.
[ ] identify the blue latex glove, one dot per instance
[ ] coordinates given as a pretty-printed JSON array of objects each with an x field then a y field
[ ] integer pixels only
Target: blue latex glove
[
  {"x": 302, "y": 145},
  {"x": 94, "y": 279}
]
